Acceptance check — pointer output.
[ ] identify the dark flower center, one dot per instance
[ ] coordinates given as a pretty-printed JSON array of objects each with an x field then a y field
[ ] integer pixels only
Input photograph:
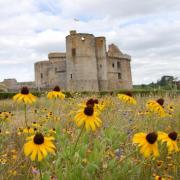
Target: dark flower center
[
  {"x": 160, "y": 101},
  {"x": 89, "y": 110},
  {"x": 57, "y": 88},
  {"x": 151, "y": 137},
  {"x": 128, "y": 94},
  {"x": 24, "y": 90},
  {"x": 173, "y": 135},
  {"x": 38, "y": 139},
  {"x": 90, "y": 102},
  {"x": 96, "y": 101}
]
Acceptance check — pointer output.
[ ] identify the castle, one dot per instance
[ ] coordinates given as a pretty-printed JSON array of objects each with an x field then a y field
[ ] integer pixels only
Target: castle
[{"x": 85, "y": 66}]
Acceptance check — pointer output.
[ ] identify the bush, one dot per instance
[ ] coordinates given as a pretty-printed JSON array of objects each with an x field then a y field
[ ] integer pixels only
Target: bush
[{"x": 141, "y": 92}]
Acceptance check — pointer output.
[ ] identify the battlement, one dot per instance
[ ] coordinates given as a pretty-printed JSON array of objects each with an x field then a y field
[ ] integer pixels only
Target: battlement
[{"x": 56, "y": 55}]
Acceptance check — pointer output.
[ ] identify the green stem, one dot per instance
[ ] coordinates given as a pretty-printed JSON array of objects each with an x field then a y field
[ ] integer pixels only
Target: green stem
[
  {"x": 78, "y": 138},
  {"x": 40, "y": 171},
  {"x": 25, "y": 114}
]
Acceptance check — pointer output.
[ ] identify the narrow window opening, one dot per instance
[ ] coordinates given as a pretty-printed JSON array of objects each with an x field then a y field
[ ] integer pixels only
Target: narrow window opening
[
  {"x": 41, "y": 75},
  {"x": 119, "y": 76},
  {"x": 113, "y": 65},
  {"x": 71, "y": 76},
  {"x": 118, "y": 65},
  {"x": 73, "y": 51}
]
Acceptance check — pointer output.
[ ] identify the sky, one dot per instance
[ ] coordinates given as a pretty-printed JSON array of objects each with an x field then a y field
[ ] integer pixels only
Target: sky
[{"x": 149, "y": 31}]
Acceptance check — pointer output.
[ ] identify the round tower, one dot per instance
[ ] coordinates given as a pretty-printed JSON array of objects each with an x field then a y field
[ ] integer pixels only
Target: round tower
[
  {"x": 81, "y": 62},
  {"x": 57, "y": 72}
]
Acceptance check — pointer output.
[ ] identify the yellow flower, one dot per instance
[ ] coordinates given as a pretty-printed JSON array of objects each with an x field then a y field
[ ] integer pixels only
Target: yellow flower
[
  {"x": 159, "y": 178},
  {"x": 147, "y": 143},
  {"x": 170, "y": 140},
  {"x": 127, "y": 98},
  {"x": 39, "y": 146},
  {"x": 52, "y": 131},
  {"x": 56, "y": 93},
  {"x": 24, "y": 96},
  {"x": 88, "y": 117},
  {"x": 143, "y": 113},
  {"x": 170, "y": 107},
  {"x": 156, "y": 107},
  {"x": 5, "y": 116},
  {"x": 28, "y": 130}
]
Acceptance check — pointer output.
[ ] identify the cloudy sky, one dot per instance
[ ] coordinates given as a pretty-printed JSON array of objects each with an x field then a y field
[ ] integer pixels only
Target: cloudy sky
[{"x": 147, "y": 30}]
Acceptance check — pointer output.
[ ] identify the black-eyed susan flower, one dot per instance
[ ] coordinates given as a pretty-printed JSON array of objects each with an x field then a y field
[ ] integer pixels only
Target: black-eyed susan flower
[
  {"x": 88, "y": 117},
  {"x": 28, "y": 130},
  {"x": 156, "y": 107},
  {"x": 147, "y": 143},
  {"x": 24, "y": 96},
  {"x": 159, "y": 178},
  {"x": 170, "y": 140},
  {"x": 39, "y": 146},
  {"x": 56, "y": 94},
  {"x": 5, "y": 116},
  {"x": 127, "y": 98},
  {"x": 52, "y": 131},
  {"x": 170, "y": 107},
  {"x": 159, "y": 163},
  {"x": 35, "y": 124}
]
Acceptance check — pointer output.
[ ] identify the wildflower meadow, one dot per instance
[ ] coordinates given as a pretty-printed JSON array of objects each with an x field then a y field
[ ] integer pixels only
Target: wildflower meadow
[{"x": 115, "y": 136}]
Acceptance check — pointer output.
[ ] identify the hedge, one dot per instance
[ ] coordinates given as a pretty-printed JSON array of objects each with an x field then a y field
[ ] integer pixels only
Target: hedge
[{"x": 141, "y": 92}]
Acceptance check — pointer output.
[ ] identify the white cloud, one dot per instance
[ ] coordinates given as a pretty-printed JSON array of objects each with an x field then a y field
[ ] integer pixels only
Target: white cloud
[{"x": 148, "y": 30}]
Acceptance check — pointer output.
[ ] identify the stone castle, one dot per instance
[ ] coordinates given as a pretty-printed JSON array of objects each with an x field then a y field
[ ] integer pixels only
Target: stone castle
[{"x": 85, "y": 66}]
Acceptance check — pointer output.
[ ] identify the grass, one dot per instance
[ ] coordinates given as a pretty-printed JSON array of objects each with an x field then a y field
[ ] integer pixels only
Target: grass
[{"x": 107, "y": 153}]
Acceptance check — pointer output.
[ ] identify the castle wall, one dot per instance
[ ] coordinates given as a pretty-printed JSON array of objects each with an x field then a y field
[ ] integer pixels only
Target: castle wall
[
  {"x": 126, "y": 74},
  {"x": 57, "y": 72},
  {"x": 10, "y": 83},
  {"x": 41, "y": 74},
  {"x": 51, "y": 73},
  {"x": 119, "y": 73},
  {"x": 13, "y": 85},
  {"x": 81, "y": 62}
]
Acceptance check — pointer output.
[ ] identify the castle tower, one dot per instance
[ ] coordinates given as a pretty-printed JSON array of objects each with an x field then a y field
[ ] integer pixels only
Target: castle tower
[
  {"x": 100, "y": 45},
  {"x": 81, "y": 62},
  {"x": 57, "y": 72}
]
